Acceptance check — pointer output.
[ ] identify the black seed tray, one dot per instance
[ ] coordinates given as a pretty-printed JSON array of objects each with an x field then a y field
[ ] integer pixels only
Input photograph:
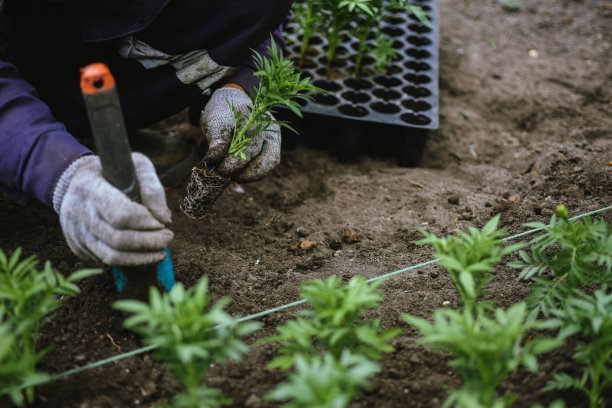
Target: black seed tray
[{"x": 407, "y": 96}]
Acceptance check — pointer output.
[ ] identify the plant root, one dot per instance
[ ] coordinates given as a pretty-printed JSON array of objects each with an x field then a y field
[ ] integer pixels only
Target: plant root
[{"x": 203, "y": 189}]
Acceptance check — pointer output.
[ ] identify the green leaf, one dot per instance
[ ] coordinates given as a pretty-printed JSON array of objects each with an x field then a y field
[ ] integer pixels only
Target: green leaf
[{"x": 84, "y": 273}]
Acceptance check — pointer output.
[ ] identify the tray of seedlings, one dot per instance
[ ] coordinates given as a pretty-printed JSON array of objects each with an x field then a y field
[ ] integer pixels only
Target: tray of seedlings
[{"x": 378, "y": 60}]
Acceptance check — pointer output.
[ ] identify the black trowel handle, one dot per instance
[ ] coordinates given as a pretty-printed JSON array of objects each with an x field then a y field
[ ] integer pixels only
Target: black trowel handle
[{"x": 110, "y": 136}]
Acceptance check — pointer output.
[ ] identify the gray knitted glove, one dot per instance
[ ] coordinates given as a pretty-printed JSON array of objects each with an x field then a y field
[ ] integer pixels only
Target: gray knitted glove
[
  {"x": 102, "y": 224},
  {"x": 217, "y": 121}
]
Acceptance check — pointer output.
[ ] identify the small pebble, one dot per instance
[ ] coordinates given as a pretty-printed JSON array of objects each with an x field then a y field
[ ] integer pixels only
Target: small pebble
[
  {"x": 301, "y": 231},
  {"x": 238, "y": 189},
  {"x": 253, "y": 401},
  {"x": 466, "y": 216}
]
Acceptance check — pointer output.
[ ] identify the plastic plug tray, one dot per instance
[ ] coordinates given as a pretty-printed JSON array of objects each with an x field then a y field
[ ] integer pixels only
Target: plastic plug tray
[{"x": 404, "y": 101}]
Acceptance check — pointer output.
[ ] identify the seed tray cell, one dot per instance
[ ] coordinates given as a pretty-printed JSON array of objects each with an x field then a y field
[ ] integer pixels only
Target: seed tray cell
[{"x": 406, "y": 96}]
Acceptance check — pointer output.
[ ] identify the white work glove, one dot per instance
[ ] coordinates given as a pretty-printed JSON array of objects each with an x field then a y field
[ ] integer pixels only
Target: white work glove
[
  {"x": 101, "y": 223},
  {"x": 217, "y": 121}
]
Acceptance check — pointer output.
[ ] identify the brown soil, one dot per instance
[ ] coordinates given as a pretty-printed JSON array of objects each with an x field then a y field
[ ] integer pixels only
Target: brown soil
[{"x": 519, "y": 134}]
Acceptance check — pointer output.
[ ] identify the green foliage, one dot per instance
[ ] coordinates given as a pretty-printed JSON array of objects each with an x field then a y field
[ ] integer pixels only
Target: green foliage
[
  {"x": 590, "y": 316},
  {"x": 511, "y": 5},
  {"x": 332, "y": 18},
  {"x": 189, "y": 336},
  {"x": 279, "y": 85},
  {"x": 15, "y": 368},
  {"x": 28, "y": 298},
  {"x": 336, "y": 17},
  {"x": 487, "y": 343},
  {"x": 485, "y": 350},
  {"x": 325, "y": 381},
  {"x": 307, "y": 16},
  {"x": 569, "y": 254},
  {"x": 334, "y": 323},
  {"x": 383, "y": 52},
  {"x": 418, "y": 11},
  {"x": 470, "y": 257},
  {"x": 570, "y": 267},
  {"x": 554, "y": 404}
]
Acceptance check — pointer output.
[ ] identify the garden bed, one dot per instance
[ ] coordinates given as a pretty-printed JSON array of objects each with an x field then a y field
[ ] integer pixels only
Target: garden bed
[{"x": 525, "y": 124}]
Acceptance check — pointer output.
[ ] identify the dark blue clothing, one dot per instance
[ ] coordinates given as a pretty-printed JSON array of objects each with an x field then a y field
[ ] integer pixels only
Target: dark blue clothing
[{"x": 44, "y": 43}]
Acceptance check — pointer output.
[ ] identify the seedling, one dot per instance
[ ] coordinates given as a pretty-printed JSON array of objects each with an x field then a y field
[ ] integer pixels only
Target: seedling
[
  {"x": 590, "y": 316},
  {"x": 572, "y": 255},
  {"x": 470, "y": 257},
  {"x": 334, "y": 324},
  {"x": 486, "y": 343},
  {"x": 189, "y": 335},
  {"x": 338, "y": 15},
  {"x": 333, "y": 19},
  {"x": 279, "y": 85},
  {"x": 307, "y": 15},
  {"x": 324, "y": 381},
  {"x": 568, "y": 255},
  {"x": 28, "y": 298},
  {"x": 383, "y": 52},
  {"x": 485, "y": 350}
]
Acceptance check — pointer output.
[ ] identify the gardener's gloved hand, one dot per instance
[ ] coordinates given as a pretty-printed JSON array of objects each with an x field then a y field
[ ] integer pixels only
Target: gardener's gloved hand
[
  {"x": 102, "y": 224},
  {"x": 217, "y": 121}
]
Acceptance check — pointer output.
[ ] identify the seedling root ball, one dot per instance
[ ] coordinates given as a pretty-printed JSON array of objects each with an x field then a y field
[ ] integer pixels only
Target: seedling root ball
[{"x": 202, "y": 191}]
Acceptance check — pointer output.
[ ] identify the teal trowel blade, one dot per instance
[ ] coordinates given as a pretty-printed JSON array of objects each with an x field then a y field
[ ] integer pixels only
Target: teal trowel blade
[{"x": 165, "y": 274}]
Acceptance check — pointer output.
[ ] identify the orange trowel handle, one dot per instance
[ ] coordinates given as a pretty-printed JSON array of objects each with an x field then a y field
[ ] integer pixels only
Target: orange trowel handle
[{"x": 108, "y": 128}]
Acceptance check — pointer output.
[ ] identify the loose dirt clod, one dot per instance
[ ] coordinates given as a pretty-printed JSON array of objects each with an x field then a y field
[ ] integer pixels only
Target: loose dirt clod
[
  {"x": 303, "y": 246},
  {"x": 350, "y": 236}
]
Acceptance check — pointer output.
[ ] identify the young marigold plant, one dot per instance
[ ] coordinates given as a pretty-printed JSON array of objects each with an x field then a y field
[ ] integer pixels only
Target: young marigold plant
[
  {"x": 382, "y": 50},
  {"x": 307, "y": 15},
  {"x": 590, "y": 316},
  {"x": 486, "y": 343},
  {"x": 470, "y": 257},
  {"x": 28, "y": 298},
  {"x": 12, "y": 366},
  {"x": 189, "y": 336},
  {"x": 568, "y": 255},
  {"x": 336, "y": 15},
  {"x": 570, "y": 267},
  {"x": 335, "y": 323},
  {"x": 279, "y": 85},
  {"x": 324, "y": 381},
  {"x": 485, "y": 349}
]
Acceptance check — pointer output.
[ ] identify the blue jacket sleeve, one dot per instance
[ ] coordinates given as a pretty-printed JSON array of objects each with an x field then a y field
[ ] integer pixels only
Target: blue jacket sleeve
[
  {"x": 34, "y": 148},
  {"x": 244, "y": 75}
]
